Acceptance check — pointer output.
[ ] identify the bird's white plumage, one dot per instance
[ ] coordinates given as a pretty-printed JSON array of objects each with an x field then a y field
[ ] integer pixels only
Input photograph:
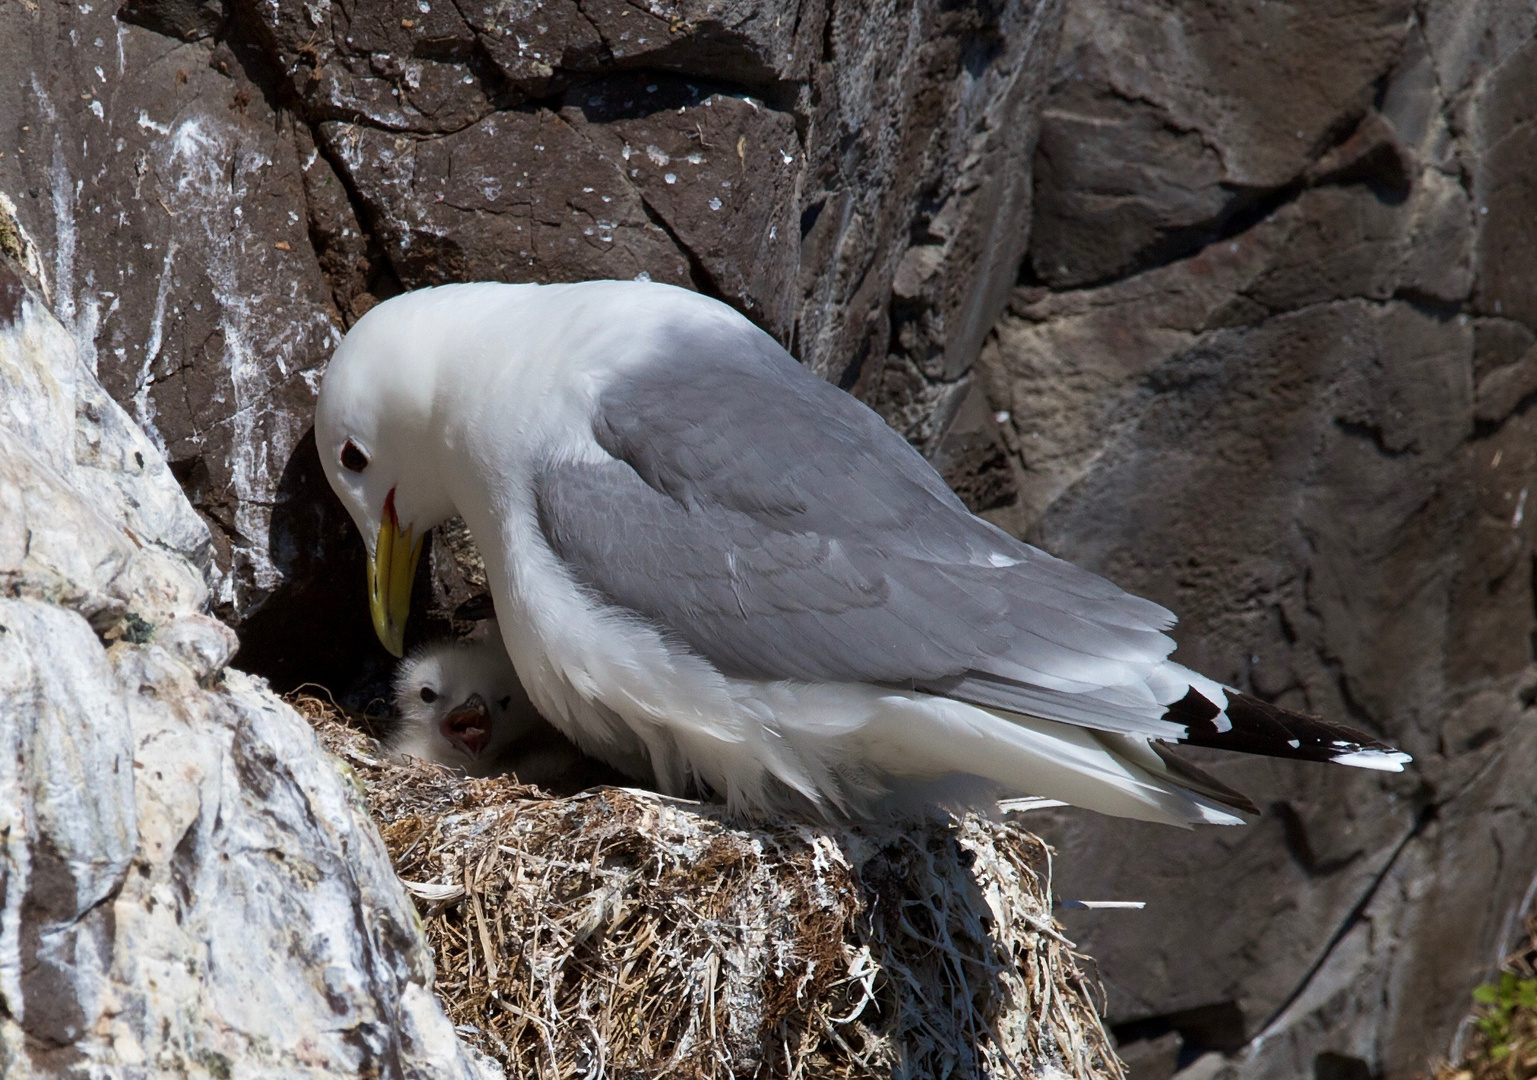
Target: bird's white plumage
[{"x": 468, "y": 398}]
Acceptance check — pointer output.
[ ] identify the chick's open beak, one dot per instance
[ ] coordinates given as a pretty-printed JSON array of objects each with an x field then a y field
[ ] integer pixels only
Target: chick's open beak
[
  {"x": 469, "y": 726},
  {"x": 391, "y": 570}
]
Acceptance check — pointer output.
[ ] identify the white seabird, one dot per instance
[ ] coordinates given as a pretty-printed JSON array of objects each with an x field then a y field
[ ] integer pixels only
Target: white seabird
[
  {"x": 459, "y": 703},
  {"x": 708, "y": 563}
]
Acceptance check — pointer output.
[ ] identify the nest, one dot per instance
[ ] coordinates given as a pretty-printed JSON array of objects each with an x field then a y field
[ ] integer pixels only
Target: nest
[{"x": 619, "y": 933}]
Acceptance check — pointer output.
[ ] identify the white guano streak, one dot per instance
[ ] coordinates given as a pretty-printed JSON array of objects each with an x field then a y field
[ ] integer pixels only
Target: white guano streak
[
  {"x": 209, "y": 170},
  {"x": 13, "y": 828},
  {"x": 143, "y": 406}
]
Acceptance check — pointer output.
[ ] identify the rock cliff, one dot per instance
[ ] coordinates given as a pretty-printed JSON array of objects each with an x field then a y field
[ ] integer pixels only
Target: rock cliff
[
  {"x": 222, "y": 187},
  {"x": 188, "y": 886},
  {"x": 1271, "y": 363}
]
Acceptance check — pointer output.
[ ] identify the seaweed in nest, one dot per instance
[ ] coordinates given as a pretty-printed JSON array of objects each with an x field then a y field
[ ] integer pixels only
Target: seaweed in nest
[{"x": 620, "y": 933}]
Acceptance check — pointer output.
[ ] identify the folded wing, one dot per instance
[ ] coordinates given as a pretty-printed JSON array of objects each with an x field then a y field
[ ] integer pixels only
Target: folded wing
[{"x": 780, "y": 529}]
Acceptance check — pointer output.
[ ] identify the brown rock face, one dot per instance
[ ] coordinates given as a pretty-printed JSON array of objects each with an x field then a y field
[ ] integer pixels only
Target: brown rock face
[
  {"x": 1272, "y": 367},
  {"x": 219, "y": 189},
  {"x": 1167, "y": 121}
]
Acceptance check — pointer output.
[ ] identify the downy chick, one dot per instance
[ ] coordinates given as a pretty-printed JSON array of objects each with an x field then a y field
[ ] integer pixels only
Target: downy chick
[{"x": 461, "y": 704}]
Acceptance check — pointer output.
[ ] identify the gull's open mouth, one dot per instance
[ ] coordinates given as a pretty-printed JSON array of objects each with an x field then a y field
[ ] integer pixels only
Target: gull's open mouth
[{"x": 469, "y": 726}]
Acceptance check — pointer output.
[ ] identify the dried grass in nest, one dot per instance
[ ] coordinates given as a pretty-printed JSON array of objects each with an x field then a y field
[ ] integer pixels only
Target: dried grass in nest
[{"x": 623, "y": 934}]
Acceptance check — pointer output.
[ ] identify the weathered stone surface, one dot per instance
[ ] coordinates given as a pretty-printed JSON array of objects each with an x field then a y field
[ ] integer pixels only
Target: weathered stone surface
[
  {"x": 1166, "y": 121},
  {"x": 1291, "y": 401},
  {"x": 464, "y": 207},
  {"x": 1496, "y": 95},
  {"x": 168, "y": 196},
  {"x": 221, "y": 188},
  {"x": 188, "y": 884}
]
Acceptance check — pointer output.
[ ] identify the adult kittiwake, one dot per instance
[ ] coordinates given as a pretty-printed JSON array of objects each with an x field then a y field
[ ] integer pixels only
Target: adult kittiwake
[{"x": 709, "y": 564}]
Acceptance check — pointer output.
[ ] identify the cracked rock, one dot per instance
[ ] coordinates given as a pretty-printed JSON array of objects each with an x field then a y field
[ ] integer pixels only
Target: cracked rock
[
  {"x": 1293, "y": 405},
  {"x": 1165, "y": 122},
  {"x": 188, "y": 884}
]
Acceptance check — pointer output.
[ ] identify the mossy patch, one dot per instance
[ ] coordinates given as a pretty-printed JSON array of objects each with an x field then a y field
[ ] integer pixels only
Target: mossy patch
[{"x": 1503, "y": 1041}]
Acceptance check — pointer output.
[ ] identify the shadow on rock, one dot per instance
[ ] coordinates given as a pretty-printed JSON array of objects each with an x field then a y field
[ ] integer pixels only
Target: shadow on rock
[{"x": 315, "y": 627}]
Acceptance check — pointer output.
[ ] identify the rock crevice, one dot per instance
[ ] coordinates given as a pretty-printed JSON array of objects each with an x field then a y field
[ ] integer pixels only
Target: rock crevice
[
  {"x": 1305, "y": 433},
  {"x": 188, "y": 885}
]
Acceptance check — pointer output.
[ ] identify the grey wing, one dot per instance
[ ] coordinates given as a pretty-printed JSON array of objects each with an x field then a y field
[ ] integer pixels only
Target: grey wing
[{"x": 780, "y": 529}]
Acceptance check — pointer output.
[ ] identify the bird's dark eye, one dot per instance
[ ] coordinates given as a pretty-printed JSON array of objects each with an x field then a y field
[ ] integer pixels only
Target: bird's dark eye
[
  {"x": 353, "y": 459},
  {"x": 429, "y": 695},
  {"x": 506, "y": 701}
]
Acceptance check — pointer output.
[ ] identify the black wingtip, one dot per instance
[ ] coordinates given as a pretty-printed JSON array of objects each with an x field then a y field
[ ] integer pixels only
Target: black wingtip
[{"x": 1251, "y": 726}]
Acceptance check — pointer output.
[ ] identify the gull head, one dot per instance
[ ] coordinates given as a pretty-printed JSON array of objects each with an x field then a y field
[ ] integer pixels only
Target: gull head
[
  {"x": 460, "y": 704},
  {"x": 437, "y": 390},
  {"x": 372, "y": 424}
]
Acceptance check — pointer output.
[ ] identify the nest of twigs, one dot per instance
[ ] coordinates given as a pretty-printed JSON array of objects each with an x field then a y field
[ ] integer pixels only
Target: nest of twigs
[{"x": 618, "y": 933}]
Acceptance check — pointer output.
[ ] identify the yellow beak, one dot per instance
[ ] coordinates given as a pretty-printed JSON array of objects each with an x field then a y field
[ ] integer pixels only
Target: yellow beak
[{"x": 391, "y": 571}]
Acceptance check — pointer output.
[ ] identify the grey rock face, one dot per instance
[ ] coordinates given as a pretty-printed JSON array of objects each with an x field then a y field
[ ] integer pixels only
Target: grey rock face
[
  {"x": 188, "y": 886},
  {"x": 220, "y": 188},
  {"x": 1167, "y": 121},
  {"x": 1281, "y": 384},
  {"x": 1272, "y": 365}
]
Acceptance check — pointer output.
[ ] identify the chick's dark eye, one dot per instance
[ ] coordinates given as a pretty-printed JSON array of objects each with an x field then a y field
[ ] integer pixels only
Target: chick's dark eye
[
  {"x": 429, "y": 695},
  {"x": 353, "y": 459},
  {"x": 506, "y": 701}
]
